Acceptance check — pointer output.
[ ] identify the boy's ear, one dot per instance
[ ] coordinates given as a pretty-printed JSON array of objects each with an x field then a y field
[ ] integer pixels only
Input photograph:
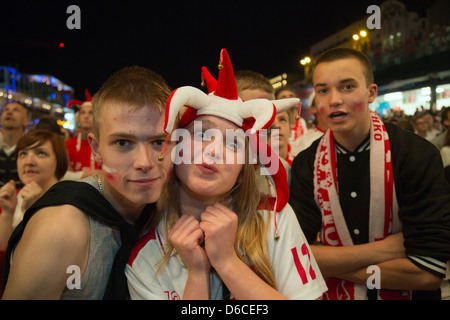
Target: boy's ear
[
  {"x": 373, "y": 92},
  {"x": 93, "y": 142}
]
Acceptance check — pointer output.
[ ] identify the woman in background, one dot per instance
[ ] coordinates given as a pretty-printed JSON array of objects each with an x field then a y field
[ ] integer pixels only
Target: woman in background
[{"x": 41, "y": 162}]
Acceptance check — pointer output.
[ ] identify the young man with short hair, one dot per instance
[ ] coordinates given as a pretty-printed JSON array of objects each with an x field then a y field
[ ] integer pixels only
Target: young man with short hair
[
  {"x": 374, "y": 193},
  {"x": 253, "y": 85},
  {"x": 14, "y": 119},
  {"x": 80, "y": 155},
  {"x": 78, "y": 236}
]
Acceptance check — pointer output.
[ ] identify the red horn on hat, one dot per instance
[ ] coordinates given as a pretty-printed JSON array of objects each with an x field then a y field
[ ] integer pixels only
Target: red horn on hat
[
  {"x": 211, "y": 83},
  {"x": 88, "y": 95},
  {"x": 72, "y": 102},
  {"x": 226, "y": 86}
]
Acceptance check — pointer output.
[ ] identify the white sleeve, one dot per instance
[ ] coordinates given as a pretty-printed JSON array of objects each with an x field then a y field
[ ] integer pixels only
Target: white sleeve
[
  {"x": 146, "y": 280},
  {"x": 73, "y": 175},
  {"x": 445, "y": 154},
  {"x": 18, "y": 213},
  {"x": 144, "y": 283},
  {"x": 296, "y": 272},
  {"x": 140, "y": 288}
]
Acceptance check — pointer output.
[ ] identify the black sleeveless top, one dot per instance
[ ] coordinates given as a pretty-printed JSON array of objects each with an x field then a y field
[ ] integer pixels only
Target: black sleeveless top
[{"x": 89, "y": 200}]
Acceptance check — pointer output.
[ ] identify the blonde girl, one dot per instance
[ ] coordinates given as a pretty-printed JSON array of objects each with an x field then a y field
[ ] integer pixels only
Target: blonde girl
[{"x": 224, "y": 228}]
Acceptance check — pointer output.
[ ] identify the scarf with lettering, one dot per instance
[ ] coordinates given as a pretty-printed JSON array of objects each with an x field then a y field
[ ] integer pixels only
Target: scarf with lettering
[{"x": 383, "y": 215}]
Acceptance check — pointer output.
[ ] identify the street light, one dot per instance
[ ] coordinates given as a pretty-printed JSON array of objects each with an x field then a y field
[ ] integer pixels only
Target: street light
[
  {"x": 305, "y": 61},
  {"x": 360, "y": 42}
]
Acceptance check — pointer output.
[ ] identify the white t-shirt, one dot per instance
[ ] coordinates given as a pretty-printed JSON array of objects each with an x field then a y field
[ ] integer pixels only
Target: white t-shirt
[
  {"x": 18, "y": 213},
  {"x": 296, "y": 272},
  {"x": 305, "y": 141},
  {"x": 445, "y": 154}
]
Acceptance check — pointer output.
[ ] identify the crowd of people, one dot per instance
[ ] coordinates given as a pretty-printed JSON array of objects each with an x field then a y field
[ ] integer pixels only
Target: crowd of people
[
  {"x": 432, "y": 126},
  {"x": 278, "y": 210}
]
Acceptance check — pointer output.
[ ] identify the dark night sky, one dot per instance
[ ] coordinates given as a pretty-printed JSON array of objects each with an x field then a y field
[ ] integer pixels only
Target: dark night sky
[{"x": 173, "y": 38}]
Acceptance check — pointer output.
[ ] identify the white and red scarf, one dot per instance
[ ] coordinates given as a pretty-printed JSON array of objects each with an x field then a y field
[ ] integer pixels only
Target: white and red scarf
[{"x": 383, "y": 218}]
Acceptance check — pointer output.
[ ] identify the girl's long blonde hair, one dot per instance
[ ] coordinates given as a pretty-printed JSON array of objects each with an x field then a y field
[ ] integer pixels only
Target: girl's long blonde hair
[{"x": 244, "y": 199}]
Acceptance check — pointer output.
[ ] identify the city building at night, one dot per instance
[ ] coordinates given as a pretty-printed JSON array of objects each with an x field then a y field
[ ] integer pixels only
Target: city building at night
[
  {"x": 410, "y": 55},
  {"x": 44, "y": 95}
]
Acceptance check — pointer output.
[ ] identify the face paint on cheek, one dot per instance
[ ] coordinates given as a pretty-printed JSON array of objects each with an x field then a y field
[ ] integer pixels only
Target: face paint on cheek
[
  {"x": 109, "y": 173},
  {"x": 358, "y": 106},
  {"x": 321, "y": 109}
]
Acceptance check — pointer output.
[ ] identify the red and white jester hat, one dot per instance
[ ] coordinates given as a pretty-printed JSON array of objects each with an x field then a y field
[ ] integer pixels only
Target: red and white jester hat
[
  {"x": 223, "y": 101},
  {"x": 79, "y": 103}
]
